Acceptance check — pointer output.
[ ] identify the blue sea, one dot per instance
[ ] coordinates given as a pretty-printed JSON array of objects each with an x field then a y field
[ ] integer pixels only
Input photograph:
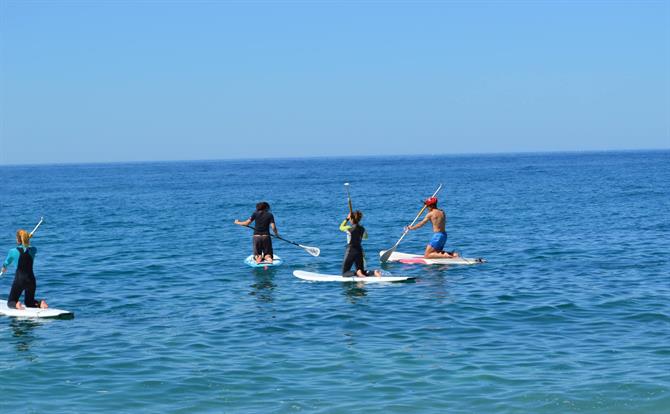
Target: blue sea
[{"x": 571, "y": 314}]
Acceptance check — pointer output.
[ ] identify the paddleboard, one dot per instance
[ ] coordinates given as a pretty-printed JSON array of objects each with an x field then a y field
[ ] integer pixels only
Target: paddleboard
[
  {"x": 34, "y": 312},
  {"x": 276, "y": 261},
  {"x": 408, "y": 258},
  {"x": 319, "y": 277}
]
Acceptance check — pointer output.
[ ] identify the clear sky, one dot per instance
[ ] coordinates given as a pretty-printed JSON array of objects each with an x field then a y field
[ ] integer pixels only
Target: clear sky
[{"x": 87, "y": 81}]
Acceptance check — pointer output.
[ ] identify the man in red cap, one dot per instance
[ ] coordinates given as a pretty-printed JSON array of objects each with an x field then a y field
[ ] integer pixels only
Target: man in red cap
[{"x": 435, "y": 249}]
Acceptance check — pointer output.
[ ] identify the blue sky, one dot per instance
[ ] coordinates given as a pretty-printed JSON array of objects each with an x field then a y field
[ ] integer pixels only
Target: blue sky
[{"x": 170, "y": 80}]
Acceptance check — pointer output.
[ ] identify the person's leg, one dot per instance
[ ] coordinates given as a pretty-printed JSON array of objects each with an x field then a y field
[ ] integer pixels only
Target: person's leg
[
  {"x": 267, "y": 249},
  {"x": 431, "y": 253},
  {"x": 257, "y": 245},
  {"x": 15, "y": 294},
  {"x": 434, "y": 249},
  {"x": 349, "y": 257},
  {"x": 360, "y": 265},
  {"x": 30, "y": 288}
]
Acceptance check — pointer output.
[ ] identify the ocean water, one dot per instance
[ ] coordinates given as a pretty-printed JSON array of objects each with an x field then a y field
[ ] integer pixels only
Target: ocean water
[{"x": 571, "y": 314}]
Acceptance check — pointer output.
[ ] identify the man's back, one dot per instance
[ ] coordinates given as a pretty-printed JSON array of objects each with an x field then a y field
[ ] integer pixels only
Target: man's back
[{"x": 438, "y": 218}]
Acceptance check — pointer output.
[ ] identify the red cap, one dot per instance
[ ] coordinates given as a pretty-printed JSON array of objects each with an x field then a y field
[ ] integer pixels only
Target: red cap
[{"x": 430, "y": 201}]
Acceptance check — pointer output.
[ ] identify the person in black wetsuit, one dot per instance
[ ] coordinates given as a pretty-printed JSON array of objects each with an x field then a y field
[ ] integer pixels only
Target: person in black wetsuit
[
  {"x": 262, "y": 241},
  {"x": 24, "y": 279},
  {"x": 354, "y": 253}
]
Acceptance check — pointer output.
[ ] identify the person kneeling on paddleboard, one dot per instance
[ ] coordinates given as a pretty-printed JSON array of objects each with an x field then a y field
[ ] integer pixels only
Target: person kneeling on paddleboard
[
  {"x": 262, "y": 242},
  {"x": 24, "y": 279},
  {"x": 354, "y": 253},
  {"x": 435, "y": 249}
]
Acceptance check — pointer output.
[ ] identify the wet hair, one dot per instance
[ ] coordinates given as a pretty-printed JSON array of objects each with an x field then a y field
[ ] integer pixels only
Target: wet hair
[
  {"x": 356, "y": 217},
  {"x": 262, "y": 206},
  {"x": 22, "y": 237}
]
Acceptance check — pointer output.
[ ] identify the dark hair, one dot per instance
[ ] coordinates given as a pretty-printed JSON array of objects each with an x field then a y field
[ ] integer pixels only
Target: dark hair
[
  {"x": 262, "y": 206},
  {"x": 356, "y": 216}
]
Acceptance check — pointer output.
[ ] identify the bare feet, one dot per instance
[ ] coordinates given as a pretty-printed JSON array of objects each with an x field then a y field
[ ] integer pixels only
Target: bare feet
[
  {"x": 43, "y": 304},
  {"x": 268, "y": 259},
  {"x": 19, "y": 306},
  {"x": 258, "y": 259},
  {"x": 378, "y": 273}
]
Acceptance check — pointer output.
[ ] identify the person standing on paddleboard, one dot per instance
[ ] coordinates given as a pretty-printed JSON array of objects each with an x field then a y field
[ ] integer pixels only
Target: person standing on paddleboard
[
  {"x": 24, "y": 279},
  {"x": 262, "y": 242},
  {"x": 435, "y": 249},
  {"x": 354, "y": 253}
]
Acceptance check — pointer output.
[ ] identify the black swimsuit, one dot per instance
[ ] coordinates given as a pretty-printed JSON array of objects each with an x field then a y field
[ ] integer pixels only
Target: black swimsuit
[
  {"x": 261, "y": 240},
  {"x": 24, "y": 279},
  {"x": 354, "y": 253}
]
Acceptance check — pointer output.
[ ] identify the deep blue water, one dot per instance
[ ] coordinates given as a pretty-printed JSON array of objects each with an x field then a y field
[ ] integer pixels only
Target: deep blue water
[{"x": 571, "y": 313}]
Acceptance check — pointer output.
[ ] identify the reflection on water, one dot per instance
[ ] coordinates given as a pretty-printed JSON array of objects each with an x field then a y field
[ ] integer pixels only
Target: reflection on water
[
  {"x": 263, "y": 285},
  {"x": 354, "y": 291},
  {"x": 22, "y": 330}
]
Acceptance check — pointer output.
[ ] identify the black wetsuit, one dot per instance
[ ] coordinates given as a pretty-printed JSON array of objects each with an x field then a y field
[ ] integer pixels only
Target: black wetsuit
[
  {"x": 354, "y": 253},
  {"x": 262, "y": 241},
  {"x": 24, "y": 280}
]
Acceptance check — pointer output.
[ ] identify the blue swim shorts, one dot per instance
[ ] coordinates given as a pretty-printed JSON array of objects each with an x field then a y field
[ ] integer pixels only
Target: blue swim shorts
[{"x": 438, "y": 240}]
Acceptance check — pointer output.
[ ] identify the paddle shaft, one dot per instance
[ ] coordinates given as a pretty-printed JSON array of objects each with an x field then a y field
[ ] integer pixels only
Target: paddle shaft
[
  {"x": 37, "y": 226},
  {"x": 314, "y": 251},
  {"x": 275, "y": 236},
  {"x": 351, "y": 209}
]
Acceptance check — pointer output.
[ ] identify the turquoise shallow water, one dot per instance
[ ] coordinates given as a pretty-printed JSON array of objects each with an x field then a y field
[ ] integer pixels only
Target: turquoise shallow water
[{"x": 570, "y": 314}]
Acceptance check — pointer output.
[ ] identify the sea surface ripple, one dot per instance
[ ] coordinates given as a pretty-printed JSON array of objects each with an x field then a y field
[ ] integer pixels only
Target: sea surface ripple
[{"x": 571, "y": 314}]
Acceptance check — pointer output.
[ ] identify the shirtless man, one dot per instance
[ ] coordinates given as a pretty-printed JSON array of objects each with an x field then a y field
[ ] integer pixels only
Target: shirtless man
[{"x": 434, "y": 249}]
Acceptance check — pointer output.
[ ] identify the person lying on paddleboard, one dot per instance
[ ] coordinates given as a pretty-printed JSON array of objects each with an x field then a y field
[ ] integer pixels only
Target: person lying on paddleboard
[
  {"x": 262, "y": 242},
  {"x": 354, "y": 253},
  {"x": 24, "y": 279},
  {"x": 435, "y": 249}
]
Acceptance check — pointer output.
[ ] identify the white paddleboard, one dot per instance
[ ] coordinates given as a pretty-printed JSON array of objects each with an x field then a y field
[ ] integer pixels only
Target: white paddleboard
[
  {"x": 33, "y": 312},
  {"x": 408, "y": 258},
  {"x": 276, "y": 261},
  {"x": 319, "y": 277}
]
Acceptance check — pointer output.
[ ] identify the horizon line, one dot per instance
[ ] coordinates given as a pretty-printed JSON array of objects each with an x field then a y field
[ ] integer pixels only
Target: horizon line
[{"x": 317, "y": 157}]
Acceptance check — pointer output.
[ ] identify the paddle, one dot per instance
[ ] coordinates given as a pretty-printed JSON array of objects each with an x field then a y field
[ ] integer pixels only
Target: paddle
[
  {"x": 37, "y": 226},
  {"x": 390, "y": 251},
  {"x": 351, "y": 209},
  {"x": 31, "y": 235},
  {"x": 314, "y": 251}
]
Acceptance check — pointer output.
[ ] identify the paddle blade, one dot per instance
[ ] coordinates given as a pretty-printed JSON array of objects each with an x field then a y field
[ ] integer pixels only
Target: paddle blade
[
  {"x": 386, "y": 254},
  {"x": 314, "y": 251}
]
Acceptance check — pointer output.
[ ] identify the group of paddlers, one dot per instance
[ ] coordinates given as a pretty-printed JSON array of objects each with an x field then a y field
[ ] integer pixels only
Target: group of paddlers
[{"x": 356, "y": 233}]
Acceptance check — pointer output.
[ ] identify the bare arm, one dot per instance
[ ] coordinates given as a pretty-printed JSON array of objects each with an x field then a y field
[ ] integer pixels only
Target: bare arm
[
  {"x": 420, "y": 224},
  {"x": 274, "y": 228},
  {"x": 243, "y": 223}
]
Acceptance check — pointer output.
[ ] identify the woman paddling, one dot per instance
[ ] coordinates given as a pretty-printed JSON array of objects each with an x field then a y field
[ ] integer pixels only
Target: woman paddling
[
  {"x": 24, "y": 279},
  {"x": 354, "y": 253},
  {"x": 262, "y": 241}
]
